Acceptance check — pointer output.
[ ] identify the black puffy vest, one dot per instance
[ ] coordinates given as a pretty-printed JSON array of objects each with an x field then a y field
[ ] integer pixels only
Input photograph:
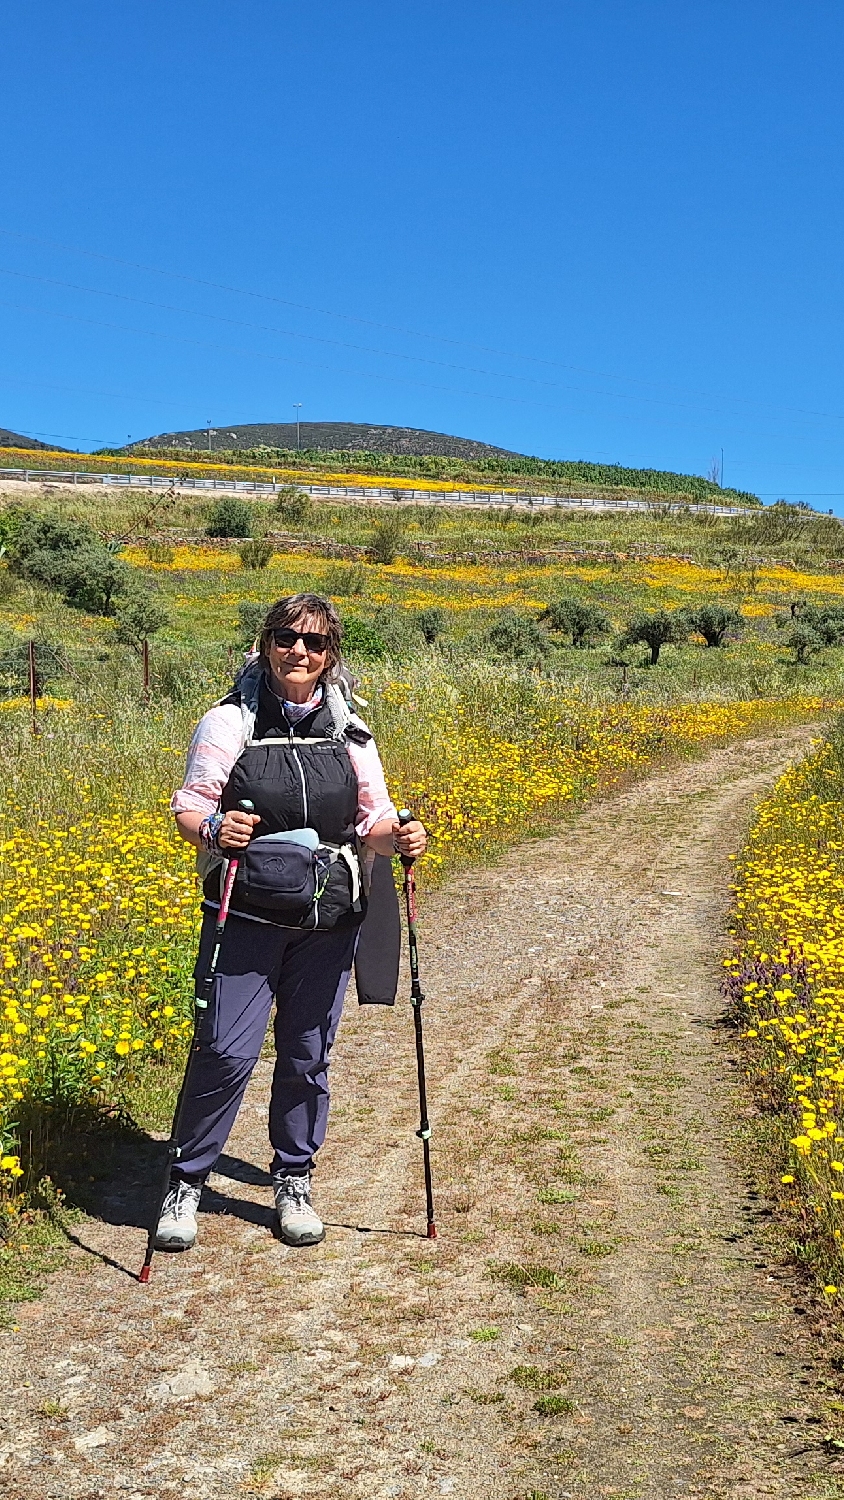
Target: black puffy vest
[{"x": 298, "y": 776}]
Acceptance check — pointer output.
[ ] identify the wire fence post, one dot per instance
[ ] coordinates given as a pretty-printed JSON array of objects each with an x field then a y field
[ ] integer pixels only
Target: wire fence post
[
  {"x": 33, "y": 687},
  {"x": 145, "y": 667}
]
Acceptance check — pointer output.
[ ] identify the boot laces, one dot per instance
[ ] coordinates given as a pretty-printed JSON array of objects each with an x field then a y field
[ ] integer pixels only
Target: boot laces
[
  {"x": 181, "y": 1201},
  {"x": 297, "y": 1191}
]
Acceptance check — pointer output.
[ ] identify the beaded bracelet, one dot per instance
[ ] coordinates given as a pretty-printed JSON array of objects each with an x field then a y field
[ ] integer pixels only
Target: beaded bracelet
[{"x": 209, "y": 833}]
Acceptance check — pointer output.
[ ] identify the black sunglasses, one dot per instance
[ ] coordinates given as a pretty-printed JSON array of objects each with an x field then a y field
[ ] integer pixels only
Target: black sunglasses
[{"x": 312, "y": 640}]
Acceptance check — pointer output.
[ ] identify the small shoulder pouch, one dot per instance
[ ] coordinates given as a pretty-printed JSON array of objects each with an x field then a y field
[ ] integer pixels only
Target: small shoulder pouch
[{"x": 279, "y": 872}]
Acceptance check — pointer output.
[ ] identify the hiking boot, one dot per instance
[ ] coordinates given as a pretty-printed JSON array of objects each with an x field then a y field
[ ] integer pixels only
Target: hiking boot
[
  {"x": 177, "y": 1225},
  {"x": 298, "y": 1221}
]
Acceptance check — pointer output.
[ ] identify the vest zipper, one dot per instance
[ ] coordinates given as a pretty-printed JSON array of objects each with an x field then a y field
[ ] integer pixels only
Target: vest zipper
[
  {"x": 304, "y": 787},
  {"x": 301, "y": 769}
]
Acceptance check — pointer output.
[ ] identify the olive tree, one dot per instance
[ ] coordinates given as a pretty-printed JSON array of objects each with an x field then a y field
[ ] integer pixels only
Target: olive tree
[
  {"x": 655, "y": 629},
  {"x": 582, "y": 622},
  {"x": 714, "y": 622}
]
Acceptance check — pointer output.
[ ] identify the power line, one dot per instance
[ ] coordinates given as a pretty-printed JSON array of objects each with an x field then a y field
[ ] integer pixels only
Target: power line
[
  {"x": 342, "y": 344},
  {"x": 406, "y": 332},
  {"x": 357, "y": 348},
  {"x": 82, "y": 390},
  {"x": 68, "y": 437},
  {"x": 275, "y": 358}
]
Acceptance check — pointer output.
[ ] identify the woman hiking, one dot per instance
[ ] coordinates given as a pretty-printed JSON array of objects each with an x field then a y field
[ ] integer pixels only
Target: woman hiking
[{"x": 287, "y": 741}]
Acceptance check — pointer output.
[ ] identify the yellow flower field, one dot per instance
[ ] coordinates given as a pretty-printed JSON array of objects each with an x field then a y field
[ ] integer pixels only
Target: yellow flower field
[
  {"x": 786, "y": 979},
  {"x": 92, "y": 464},
  {"x": 99, "y": 906},
  {"x": 480, "y": 791},
  {"x": 96, "y": 923}
]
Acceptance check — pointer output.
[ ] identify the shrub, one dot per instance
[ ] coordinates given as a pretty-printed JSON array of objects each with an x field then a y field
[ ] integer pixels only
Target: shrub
[
  {"x": 11, "y": 518},
  {"x": 344, "y": 580},
  {"x": 250, "y": 619},
  {"x": 255, "y": 553},
  {"x": 714, "y": 622},
  {"x": 92, "y": 579},
  {"x": 804, "y": 641},
  {"x": 827, "y": 621},
  {"x": 430, "y": 622},
  {"x": 42, "y": 547},
  {"x": 292, "y": 505},
  {"x": 69, "y": 557},
  {"x": 657, "y": 629},
  {"x": 362, "y": 640},
  {"x": 580, "y": 621},
  {"x": 518, "y": 636},
  {"x": 396, "y": 630},
  {"x": 229, "y": 517},
  {"x": 387, "y": 536},
  {"x": 140, "y": 614}
]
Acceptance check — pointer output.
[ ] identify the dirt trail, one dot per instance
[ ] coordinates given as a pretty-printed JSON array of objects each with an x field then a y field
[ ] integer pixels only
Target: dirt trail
[{"x": 598, "y": 1251}]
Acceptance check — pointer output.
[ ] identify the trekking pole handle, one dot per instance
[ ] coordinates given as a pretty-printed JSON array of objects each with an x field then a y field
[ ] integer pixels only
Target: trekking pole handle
[{"x": 405, "y": 817}]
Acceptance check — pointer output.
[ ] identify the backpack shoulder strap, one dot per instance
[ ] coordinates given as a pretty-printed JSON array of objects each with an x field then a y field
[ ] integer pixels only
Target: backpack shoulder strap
[
  {"x": 245, "y": 693},
  {"x": 347, "y": 725}
]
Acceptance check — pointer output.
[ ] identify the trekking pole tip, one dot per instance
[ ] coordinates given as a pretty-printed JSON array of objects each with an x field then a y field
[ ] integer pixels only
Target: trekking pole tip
[
  {"x": 432, "y": 1230},
  {"x": 144, "y": 1276}
]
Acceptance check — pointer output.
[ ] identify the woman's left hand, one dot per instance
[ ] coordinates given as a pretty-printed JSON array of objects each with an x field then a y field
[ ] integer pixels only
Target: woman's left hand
[{"x": 410, "y": 839}]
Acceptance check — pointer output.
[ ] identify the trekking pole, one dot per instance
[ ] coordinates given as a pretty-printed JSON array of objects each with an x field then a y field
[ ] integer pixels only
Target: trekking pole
[
  {"x": 201, "y": 1004},
  {"x": 416, "y": 999}
]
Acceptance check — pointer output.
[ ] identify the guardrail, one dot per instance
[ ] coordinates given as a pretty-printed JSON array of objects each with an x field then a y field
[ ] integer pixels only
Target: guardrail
[{"x": 377, "y": 493}]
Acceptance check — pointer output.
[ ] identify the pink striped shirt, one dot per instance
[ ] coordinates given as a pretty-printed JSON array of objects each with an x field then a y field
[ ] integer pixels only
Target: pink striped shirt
[{"x": 217, "y": 743}]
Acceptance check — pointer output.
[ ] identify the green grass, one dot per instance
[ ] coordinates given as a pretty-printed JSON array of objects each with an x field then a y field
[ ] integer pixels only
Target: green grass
[
  {"x": 203, "y": 604},
  {"x": 112, "y": 747},
  {"x": 521, "y": 1278},
  {"x": 730, "y": 543},
  {"x": 531, "y": 1378},
  {"x": 32, "y": 1246},
  {"x": 553, "y": 1406}
]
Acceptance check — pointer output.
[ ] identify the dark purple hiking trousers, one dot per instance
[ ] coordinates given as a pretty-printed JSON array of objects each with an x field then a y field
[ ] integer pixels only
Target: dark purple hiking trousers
[{"x": 307, "y": 974}]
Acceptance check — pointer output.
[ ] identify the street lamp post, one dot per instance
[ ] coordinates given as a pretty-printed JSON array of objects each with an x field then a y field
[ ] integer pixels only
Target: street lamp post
[{"x": 297, "y": 407}]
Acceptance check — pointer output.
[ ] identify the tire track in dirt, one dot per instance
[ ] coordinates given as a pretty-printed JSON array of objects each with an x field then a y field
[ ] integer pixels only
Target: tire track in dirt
[{"x": 597, "y": 1256}]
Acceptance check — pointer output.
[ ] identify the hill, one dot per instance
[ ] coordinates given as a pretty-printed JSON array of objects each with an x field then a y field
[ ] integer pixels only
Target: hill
[
  {"x": 324, "y": 437},
  {"x": 411, "y": 453},
  {"x": 10, "y": 439}
]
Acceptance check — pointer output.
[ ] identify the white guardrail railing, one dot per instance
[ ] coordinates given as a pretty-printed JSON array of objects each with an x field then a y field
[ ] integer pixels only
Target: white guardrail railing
[{"x": 356, "y": 492}]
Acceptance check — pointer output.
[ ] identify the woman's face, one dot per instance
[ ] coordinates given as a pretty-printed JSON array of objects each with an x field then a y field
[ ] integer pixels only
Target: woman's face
[{"x": 296, "y": 668}]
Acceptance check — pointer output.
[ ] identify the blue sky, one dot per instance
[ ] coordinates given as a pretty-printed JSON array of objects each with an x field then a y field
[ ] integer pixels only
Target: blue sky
[{"x": 603, "y": 230}]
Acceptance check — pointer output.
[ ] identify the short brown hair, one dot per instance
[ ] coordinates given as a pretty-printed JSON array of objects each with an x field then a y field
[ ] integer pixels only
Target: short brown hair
[{"x": 286, "y": 613}]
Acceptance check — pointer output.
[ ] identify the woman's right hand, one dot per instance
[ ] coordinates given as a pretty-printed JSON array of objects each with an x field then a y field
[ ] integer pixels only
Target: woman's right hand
[{"x": 236, "y": 829}]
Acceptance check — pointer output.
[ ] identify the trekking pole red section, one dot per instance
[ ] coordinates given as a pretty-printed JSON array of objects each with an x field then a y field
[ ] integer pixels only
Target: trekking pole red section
[
  {"x": 201, "y": 1004},
  {"x": 416, "y": 999}
]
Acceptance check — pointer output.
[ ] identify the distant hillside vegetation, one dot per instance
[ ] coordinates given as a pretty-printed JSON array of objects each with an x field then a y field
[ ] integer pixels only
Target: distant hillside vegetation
[
  {"x": 323, "y": 437},
  {"x": 17, "y": 440},
  {"x": 411, "y": 453}
]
